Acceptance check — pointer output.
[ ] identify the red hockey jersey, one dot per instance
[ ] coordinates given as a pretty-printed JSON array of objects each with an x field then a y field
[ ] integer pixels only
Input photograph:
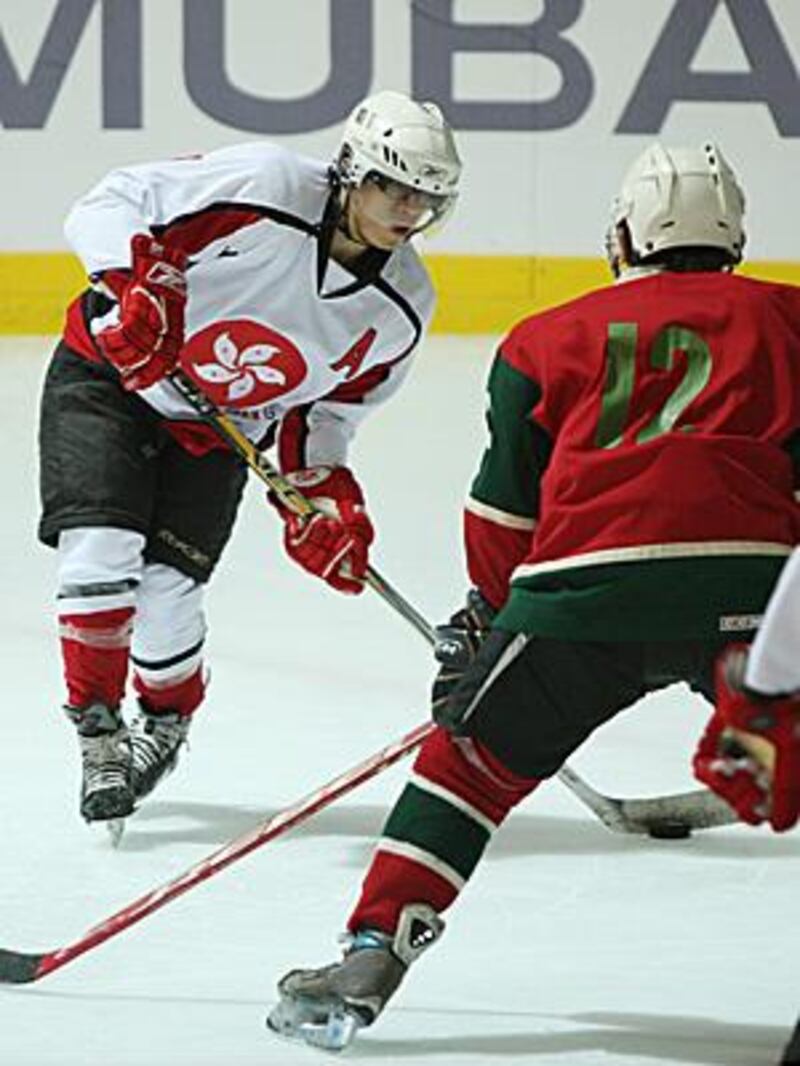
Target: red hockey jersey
[{"x": 652, "y": 422}]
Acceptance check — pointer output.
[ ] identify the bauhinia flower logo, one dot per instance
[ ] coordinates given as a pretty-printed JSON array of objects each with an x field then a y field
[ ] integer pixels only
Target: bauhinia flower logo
[
  {"x": 241, "y": 369},
  {"x": 243, "y": 364}
]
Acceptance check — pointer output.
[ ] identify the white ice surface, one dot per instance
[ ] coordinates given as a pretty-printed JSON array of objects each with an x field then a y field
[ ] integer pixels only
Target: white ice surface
[{"x": 570, "y": 946}]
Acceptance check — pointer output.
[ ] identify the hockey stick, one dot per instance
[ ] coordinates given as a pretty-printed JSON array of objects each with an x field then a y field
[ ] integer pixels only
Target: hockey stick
[
  {"x": 622, "y": 816},
  {"x": 289, "y": 496},
  {"x": 662, "y": 817},
  {"x": 18, "y": 967},
  {"x": 672, "y": 816}
]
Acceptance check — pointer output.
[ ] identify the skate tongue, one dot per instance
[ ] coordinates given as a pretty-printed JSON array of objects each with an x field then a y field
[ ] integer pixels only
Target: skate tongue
[{"x": 296, "y": 1020}]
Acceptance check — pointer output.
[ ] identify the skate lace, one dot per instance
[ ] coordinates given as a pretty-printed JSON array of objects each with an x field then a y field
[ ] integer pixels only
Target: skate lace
[
  {"x": 106, "y": 762},
  {"x": 155, "y": 743}
]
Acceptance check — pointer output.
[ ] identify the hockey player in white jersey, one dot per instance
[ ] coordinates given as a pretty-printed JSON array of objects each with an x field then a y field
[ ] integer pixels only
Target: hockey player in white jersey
[
  {"x": 750, "y": 751},
  {"x": 288, "y": 289}
]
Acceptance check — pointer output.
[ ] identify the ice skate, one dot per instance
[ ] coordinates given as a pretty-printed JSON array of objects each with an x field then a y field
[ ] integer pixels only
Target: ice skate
[
  {"x": 326, "y": 1007},
  {"x": 106, "y": 790},
  {"x": 156, "y": 740}
]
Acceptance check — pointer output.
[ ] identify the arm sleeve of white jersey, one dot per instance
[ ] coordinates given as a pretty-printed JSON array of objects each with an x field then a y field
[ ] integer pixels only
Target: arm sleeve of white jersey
[
  {"x": 774, "y": 662},
  {"x": 133, "y": 199},
  {"x": 320, "y": 434}
]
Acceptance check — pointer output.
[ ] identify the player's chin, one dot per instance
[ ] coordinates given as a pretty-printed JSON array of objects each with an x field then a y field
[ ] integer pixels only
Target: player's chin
[{"x": 390, "y": 237}]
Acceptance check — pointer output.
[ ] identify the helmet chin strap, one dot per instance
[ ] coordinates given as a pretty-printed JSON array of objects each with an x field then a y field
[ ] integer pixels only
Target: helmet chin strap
[{"x": 343, "y": 223}]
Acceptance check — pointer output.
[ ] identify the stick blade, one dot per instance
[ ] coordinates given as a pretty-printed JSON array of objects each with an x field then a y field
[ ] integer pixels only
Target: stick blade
[
  {"x": 19, "y": 967},
  {"x": 700, "y": 809}
]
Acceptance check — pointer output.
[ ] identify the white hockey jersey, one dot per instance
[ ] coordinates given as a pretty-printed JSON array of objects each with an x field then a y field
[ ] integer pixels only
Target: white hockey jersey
[
  {"x": 774, "y": 662},
  {"x": 277, "y": 334}
]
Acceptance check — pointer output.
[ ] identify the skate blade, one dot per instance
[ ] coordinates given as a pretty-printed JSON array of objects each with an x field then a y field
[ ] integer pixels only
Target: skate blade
[
  {"x": 294, "y": 1020},
  {"x": 115, "y": 827}
]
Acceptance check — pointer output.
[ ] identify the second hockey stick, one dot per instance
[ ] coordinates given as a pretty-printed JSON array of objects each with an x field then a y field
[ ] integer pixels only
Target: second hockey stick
[
  {"x": 625, "y": 816},
  {"x": 622, "y": 816},
  {"x": 19, "y": 967}
]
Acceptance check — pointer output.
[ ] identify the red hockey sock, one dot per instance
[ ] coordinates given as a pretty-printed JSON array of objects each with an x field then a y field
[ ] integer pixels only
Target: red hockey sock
[
  {"x": 458, "y": 794},
  {"x": 183, "y": 697},
  {"x": 95, "y": 649}
]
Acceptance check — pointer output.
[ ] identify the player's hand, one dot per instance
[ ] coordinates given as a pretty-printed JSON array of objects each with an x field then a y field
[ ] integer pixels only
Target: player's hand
[
  {"x": 145, "y": 344},
  {"x": 457, "y": 643},
  {"x": 749, "y": 753},
  {"x": 334, "y": 542}
]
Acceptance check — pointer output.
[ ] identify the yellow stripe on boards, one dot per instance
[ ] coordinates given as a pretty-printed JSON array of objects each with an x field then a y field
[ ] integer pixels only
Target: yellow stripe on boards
[
  {"x": 476, "y": 293},
  {"x": 488, "y": 294},
  {"x": 35, "y": 288}
]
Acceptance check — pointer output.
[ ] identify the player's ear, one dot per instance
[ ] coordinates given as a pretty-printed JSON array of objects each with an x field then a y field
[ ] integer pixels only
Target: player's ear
[
  {"x": 619, "y": 248},
  {"x": 624, "y": 245}
]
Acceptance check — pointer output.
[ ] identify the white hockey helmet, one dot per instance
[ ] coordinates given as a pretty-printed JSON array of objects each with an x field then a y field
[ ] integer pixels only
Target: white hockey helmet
[
  {"x": 390, "y": 135},
  {"x": 677, "y": 198}
]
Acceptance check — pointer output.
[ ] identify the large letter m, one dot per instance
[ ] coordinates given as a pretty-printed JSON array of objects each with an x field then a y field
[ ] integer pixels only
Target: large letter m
[{"x": 26, "y": 104}]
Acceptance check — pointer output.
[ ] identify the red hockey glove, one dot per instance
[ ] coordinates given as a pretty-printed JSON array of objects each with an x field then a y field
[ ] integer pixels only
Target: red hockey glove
[
  {"x": 144, "y": 347},
  {"x": 749, "y": 753},
  {"x": 334, "y": 543}
]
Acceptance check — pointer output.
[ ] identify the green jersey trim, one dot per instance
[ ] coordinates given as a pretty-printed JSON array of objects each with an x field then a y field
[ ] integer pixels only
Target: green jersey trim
[
  {"x": 688, "y": 598},
  {"x": 518, "y": 452}
]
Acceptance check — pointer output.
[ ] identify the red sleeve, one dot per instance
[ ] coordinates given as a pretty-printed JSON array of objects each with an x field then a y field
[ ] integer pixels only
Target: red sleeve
[{"x": 493, "y": 552}]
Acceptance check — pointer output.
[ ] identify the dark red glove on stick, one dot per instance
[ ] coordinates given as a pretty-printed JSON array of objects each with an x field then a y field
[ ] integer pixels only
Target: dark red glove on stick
[
  {"x": 145, "y": 345},
  {"x": 333, "y": 543},
  {"x": 749, "y": 753}
]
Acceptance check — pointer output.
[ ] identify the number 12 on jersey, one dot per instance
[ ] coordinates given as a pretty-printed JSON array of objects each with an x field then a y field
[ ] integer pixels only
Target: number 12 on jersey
[{"x": 621, "y": 344}]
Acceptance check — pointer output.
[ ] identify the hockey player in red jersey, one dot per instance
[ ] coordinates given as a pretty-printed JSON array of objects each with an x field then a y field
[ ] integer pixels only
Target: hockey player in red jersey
[
  {"x": 628, "y": 520},
  {"x": 288, "y": 289}
]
